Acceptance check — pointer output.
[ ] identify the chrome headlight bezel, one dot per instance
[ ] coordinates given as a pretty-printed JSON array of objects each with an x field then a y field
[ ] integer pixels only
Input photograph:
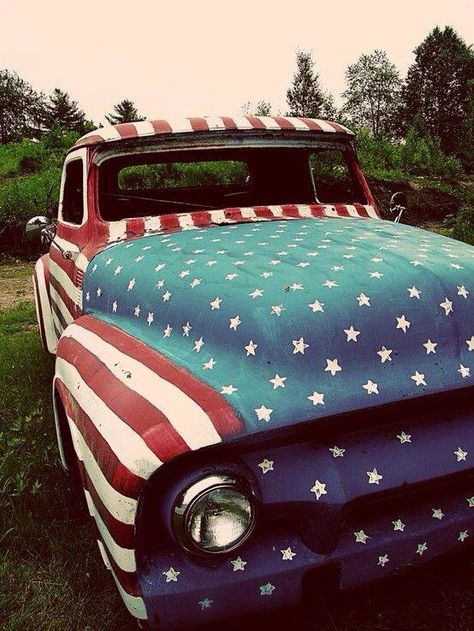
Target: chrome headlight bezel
[{"x": 185, "y": 502}]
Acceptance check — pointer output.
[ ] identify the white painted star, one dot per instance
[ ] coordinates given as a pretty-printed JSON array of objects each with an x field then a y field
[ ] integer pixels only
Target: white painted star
[
  {"x": 277, "y": 310},
  {"x": 171, "y": 575},
  {"x": 447, "y": 306},
  {"x": 437, "y": 513},
  {"x": 316, "y": 398},
  {"x": 398, "y": 525},
  {"x": 136, "y": 311},
  {"x": 167, "y": 331},
  {"x": 150, "y": 318},
  {"x": 351, "y": 334},
  {"x": 250, "y": 348},
  {"x": 460, "y": 454},
  {"x": 267, "y": 590},
  {"x": 263, "y": 413},
  {"x": 160, "y": 284},
  {"x": 198, "y": 344},
  {"x": 385, "y": 354},
  {"x": 374, "y": 476},
  {"x": 371, "y": 387},
  {"x": 363, "y": 300},
  {"x": 114, "y": 306},
  {"x": 209, "y": 365},
  {"x": 299, "y": 346},
  {"x": 332, "y": 366},
  {"x": 414, "y": 292},
  {"x": 205, "y": 603},
  {"x": 463, "y": 535},
  {"x": 234, "y": 323},
  {"x": 186, "y": 329},
  {"x": 166, "y": 296},
  {"x": 216, "y": 303},
  {"x": 228, "y": 390},
  {"x": 160, "y": 267},
  {"x": 383, "y": 560},
  {"x": 337, "y": 452},
  {"x": 88, "y": 296},
  {"x": 375, "y": 274},
  {"x": 330, "y": 283},
  {"x": 231, "y": 276},
  {"x": 139, "y": 258},
  {"x": 402, "y": 323},
  {"x": 470, "y": 501},
  {"x": 464, "y": 371},
  {"x": 266, "y": 274},
  {"x": 184, "y": 273},
  {"x": 304, "y": 264},
  {"x": 316, "y": 306},
  {"x": 277, "y": 381},
  {"x": 422, "y": 547},
  {"x": 131, "y": 284},
  {"x": 419, "y": 378},
  {"x": 99, "y": 292},
  {"x": 319, "y": 488},
  {"x": 194, "y": 283},
  {"x": 239, "y": 564},
  {"x": 361, "y": 537},
  {"x": 108, "y": 261},
  {"x": 430, "y": 347},
  {"x": 470, "y": 344},
  {"x": 404, "y": 438},
  {"x": 266, "y": 465},
  {"x": 288, "y": 554},
  {"x": 462, "y": 291},
  {"x": 296, "y": 287},
  {"x": 117, "y": 270},
  {"x": 256, "y": 293}
]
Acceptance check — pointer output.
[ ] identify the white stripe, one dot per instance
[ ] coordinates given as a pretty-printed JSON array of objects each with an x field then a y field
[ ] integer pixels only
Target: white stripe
[
  {"x": 152, "y": 223},
  {"x": 371, "y": 212},
  {"x": 352, "y": 210},
  {"x": 134, "y": 604},
  {"x": 66, "y": 245},
  {"x": 179, "y": 125},
  {"x": 248, "y": 213},
  {"x": 186, "y": 220},
  {"x": 128, "y": 446},
  {"x": 108, "y": 133},
  {"x": 324, "y": 126},
  {"x": 330, "y": 211},
  {"x": 63, "y": 279},
  {"x": 305, "y": 211},
  {"x": 215, "y": 122},
  {"x": 82, "y": 262},
  {"x": 184, "y": 414},
  {"x": 117, "y": 230},
  {"x": 58, "y": 301},
  {"x": 218, "y": 216},
  {"x": 124, "y": 557},
  {"x": 120, "y": 506},
  {"x": 44, "y": 308},
  {"x": 103, "y": 555},
  {"x": 277, "y": 211},
  {"x": 242, "y": 122},
  {"x": 299, "y": 124},
  {"x": 269, "y": 122},
  {"x": 144, "y": 128}
]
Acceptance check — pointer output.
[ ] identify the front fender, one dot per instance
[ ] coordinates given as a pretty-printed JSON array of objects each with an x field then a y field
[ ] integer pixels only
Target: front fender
[{"x": 48, "y": 333}]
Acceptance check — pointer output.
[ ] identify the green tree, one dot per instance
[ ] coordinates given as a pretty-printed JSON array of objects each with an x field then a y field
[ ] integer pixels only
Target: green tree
[
  {"x": 20, "y": 108},
  {"x": 372, "y": 96},
  {"x": 261, "y": 108},
  {"x": 305, "y": 96},
  {"x": 124, "y": 112},
  {"x": 62, "y": 111},
  {"x": 439, "y": 88}
]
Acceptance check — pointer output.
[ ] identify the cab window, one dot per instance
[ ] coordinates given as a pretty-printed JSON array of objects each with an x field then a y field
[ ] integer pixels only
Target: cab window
[{"x": 72, "y": 205}]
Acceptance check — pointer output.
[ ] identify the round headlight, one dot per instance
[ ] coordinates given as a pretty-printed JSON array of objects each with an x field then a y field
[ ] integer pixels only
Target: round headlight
[{"x": 215, "y": 514}]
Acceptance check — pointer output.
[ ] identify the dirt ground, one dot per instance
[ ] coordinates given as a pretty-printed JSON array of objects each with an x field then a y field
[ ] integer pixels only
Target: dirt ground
[{"x": 15, "y": 284}]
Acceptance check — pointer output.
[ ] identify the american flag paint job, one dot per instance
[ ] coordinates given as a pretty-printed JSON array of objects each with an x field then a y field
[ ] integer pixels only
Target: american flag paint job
[{"x": 150, "y": 128}]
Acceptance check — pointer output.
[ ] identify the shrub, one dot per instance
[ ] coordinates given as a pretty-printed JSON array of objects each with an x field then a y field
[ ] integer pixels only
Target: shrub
[{"x": 464, "y": 224}]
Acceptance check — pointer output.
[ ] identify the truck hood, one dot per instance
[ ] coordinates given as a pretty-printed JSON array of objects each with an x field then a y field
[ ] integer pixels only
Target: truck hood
[{"x": 295, "y": 320}]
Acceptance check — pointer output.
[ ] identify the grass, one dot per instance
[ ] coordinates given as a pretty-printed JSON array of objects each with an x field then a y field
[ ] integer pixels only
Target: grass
[{"x": 51, "y": 575}]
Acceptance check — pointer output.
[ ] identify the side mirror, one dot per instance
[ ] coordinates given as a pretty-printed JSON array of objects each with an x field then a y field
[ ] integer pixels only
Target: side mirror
[
  {"x": 42, "y": 228},
  {"x": 398, "y": 205}
]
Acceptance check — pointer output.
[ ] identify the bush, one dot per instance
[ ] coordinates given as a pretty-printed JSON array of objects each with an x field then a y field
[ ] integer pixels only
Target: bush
[{"x": 464, "y": 224}]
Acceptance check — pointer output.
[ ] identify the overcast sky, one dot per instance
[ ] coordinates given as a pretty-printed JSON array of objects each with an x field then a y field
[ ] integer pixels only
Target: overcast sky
[{"x": 206, "y": 56}]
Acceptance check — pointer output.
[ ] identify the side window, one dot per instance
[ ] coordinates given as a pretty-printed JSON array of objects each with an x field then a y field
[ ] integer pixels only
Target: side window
[
  {"x": 332, "y": 179},
  {"x": 73, "y": 204}
]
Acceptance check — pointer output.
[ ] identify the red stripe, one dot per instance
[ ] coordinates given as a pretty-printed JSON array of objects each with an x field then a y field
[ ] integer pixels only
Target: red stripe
[
  {"x": 90, "y": 140},
  {"x": 255, "y": 122},
  {"x": 161, "y": 126},
  {"x": 71, "y": 307},
  {"x": 126, "y": 130},
  {"x": 199, "y": 124},
  {"x": 135, "y": 227},
  {"x": 58, "y": 314},
  {"x": 122, "y": 534},
  {"x": 337, "y": 127},
  {"x": 117, "y": 474},
  {"x": 311, "y": 124},
  {"x": 264, "y": 212},
  {"x": 341, "y": 210},
  {"x": 138, "y": 413},
  {"x": 284, "y": 122},
  {"x": 290, "y": 210},
  {"x": 201, "y": 218},
  {"x": 128, "y": 580},
  {"x": 169, "y": 222},
  {"x": 215, "y": 406},
  {"x": 361, "y": 210},
  {"x": 229, "y": 123}
]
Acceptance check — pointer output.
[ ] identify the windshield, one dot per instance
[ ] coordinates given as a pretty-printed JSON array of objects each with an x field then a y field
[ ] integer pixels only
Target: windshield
[{"x": 148, "y": 184}]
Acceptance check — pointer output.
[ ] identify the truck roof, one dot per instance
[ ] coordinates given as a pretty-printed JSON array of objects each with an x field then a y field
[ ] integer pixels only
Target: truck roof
[{"x": 149, "y": 128}]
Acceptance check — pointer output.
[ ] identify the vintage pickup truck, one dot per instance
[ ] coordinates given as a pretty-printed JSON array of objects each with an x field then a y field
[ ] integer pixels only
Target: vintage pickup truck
[{"x": 264, "y": 386}]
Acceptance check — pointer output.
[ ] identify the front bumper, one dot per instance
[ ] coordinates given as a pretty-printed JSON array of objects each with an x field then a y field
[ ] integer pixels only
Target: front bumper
[{"x": 320, "y": 510}]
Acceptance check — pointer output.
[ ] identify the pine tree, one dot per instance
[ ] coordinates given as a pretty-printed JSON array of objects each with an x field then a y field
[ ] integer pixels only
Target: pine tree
[
  {"x": 261, "y": 108},
  {"x": 62, "y": 111},
  {"x": 20, "y": 108},
  {"x": 305, "y": 96},
  {"x": 439, "y": 88},
  {"x": 372, "y": 97},
  {"x": 124, "y": 112}
]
